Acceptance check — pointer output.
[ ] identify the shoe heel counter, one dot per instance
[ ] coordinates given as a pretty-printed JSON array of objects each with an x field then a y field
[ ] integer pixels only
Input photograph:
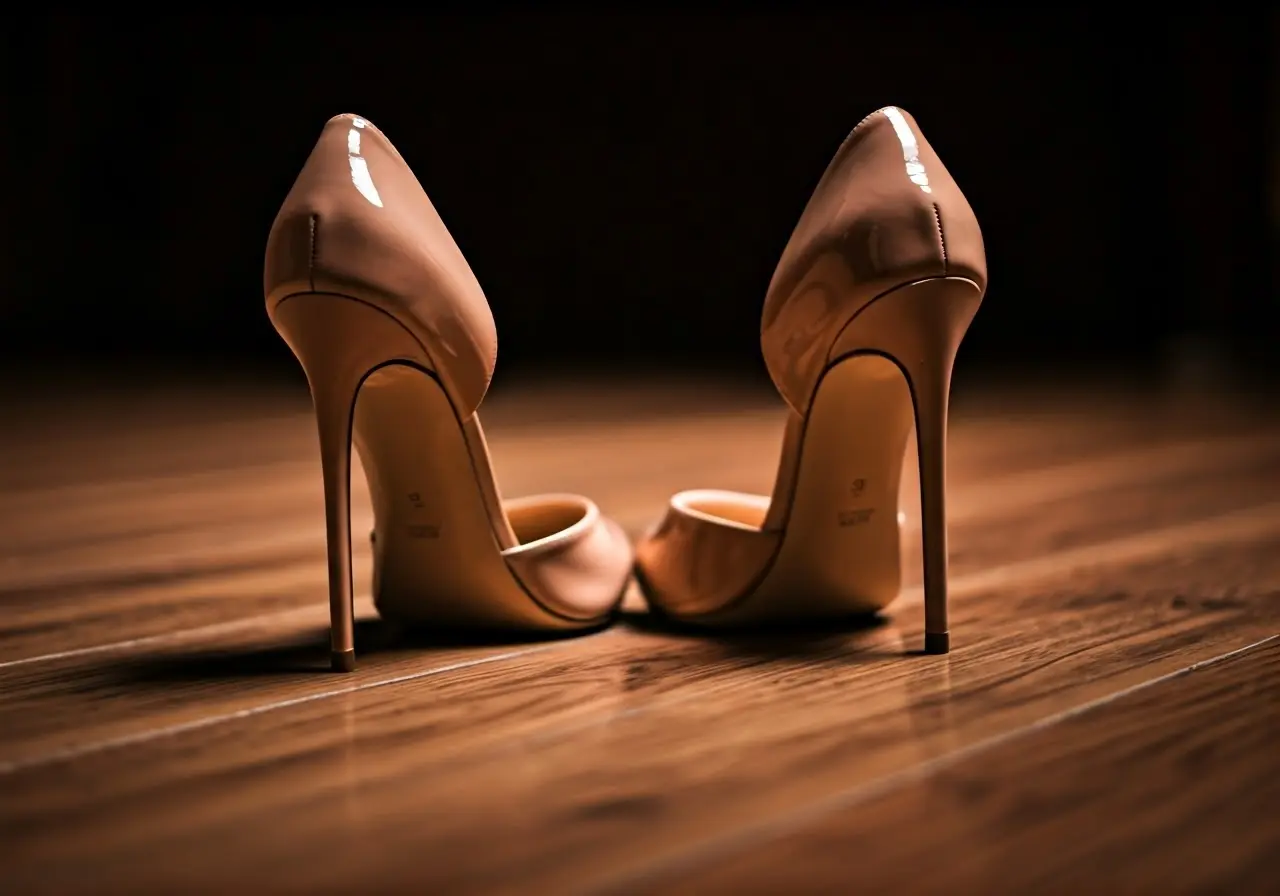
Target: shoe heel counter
[
  {"x": 321, "y": 196},
  {"x": 960, "y": 236},
  {"x": 357, "y": 223},
  {"x": 885, "y": 213}
]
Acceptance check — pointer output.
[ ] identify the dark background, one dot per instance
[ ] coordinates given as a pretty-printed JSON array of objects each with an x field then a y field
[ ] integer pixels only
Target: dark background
[{"x": 623, "y": 183}]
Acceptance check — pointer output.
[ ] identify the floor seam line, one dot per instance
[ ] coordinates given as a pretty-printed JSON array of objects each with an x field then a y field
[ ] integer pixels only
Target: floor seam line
[
  {"x": 779, "y": 826},
  {"x": 152, "y": 734},
  {"x": 908, "y": 597}
]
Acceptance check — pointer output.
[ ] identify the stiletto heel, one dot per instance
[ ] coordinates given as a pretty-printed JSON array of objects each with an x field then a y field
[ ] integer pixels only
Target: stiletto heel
[
  {"x": 339, "y": 341},
  {"x": 861, "y": 325},
  {"x": 919, "y": 328},
  {"x": 372, "y": 295}
]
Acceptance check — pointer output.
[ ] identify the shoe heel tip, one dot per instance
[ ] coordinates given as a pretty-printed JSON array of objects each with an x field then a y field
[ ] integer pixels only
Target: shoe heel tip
[
  {"x": 342, "y": 660},
  {"x": 937, "y": 642}
]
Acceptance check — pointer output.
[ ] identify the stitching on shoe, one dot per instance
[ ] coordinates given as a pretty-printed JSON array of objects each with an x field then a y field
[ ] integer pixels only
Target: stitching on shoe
[
  {"x": 311, "y": 262},
  {"x": 942, "y": 240}
]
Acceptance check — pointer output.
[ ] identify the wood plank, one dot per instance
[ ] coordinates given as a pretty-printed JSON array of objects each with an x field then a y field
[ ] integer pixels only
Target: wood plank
[
  {"x": 734, "y": 450},
  {"x": 138, "y": 558},
  {"x": 1171, "y": 788},
  {"x": 102, "y": 694},
  {"x": 579, "y": 767},
  {"x": 154, "y": 440}
]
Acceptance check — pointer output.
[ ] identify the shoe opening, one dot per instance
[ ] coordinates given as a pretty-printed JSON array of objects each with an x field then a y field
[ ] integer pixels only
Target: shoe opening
[
  {"x": 538, "y": 520},
  {"x": 734, "y": 508}
]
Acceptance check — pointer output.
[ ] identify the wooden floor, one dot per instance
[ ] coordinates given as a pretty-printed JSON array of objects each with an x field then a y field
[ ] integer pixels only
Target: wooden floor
[{"x": 1107, "y": 722}]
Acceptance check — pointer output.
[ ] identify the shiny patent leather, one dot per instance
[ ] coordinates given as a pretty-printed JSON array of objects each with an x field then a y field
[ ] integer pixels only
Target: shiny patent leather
[
  {"x": 860, "y": 327},
  {"x": 373, "y": 296}
]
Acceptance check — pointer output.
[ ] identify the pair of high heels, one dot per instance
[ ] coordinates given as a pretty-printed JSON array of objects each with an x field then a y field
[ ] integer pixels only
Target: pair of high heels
[{"x": 861, "y": 323}]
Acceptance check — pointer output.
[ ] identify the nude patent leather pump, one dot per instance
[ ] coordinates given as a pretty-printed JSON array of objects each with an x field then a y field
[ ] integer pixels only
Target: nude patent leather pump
[
  {"x": 373, "y": 296},
  {"x": 860, "y": 328}
]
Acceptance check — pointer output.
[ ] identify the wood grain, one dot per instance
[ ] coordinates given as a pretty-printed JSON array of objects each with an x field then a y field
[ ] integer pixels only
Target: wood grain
[
  {"x": 164, "y": 723},
  {"x": 1171, "y": 788},
  {"x": 106, "y": 701},
  {"x": 193, "y": 546},
  {"x": 557, "y": 771}
]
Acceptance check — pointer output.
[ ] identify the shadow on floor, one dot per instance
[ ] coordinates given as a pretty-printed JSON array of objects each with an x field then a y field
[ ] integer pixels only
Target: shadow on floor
[
  {"x": 774, "y": 640},
  {"x": 309, "y": 653}
]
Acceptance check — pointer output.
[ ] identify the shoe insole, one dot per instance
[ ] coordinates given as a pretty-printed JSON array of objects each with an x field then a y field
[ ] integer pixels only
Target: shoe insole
[
  {"x": 837, "y": 502},
  {"x": 440, "y": 527}
]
